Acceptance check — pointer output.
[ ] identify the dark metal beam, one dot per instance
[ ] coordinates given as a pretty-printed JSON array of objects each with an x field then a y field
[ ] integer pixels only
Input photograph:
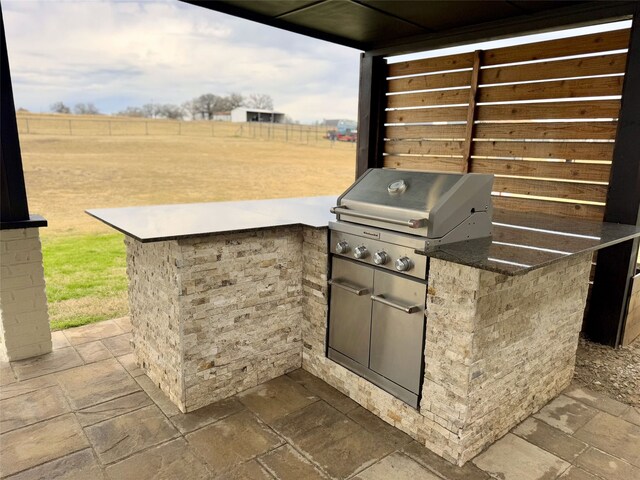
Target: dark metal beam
[
  {"x": 616, "y": 265},
  {"x": 371, "y": 113},
  {"x": 13, "y": 202},
  {"x": 238, "y": 11},
  {"x": 554, "y": 19}
]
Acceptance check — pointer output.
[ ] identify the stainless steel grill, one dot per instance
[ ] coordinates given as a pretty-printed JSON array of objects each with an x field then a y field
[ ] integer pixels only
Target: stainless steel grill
[{"x": 387, "y": 222}]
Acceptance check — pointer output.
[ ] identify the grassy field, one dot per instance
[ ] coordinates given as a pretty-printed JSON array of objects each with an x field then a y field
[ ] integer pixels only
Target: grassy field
[{"x": 66, "y": 174}]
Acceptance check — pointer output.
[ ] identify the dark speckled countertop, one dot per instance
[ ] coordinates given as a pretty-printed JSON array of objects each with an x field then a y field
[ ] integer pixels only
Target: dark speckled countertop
[{"x": 520, "y": 242}]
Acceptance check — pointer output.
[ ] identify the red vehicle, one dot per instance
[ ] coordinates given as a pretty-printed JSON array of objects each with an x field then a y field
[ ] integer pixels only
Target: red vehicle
[{"x": 345, "y": 131}]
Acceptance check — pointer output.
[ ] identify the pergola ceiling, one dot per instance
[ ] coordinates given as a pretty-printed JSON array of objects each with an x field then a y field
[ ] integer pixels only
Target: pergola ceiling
[{"x": 384, "y": 24}]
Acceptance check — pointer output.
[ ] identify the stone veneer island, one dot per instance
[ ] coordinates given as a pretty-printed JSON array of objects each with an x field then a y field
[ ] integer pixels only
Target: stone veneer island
[{"x": 225, "y": 296}]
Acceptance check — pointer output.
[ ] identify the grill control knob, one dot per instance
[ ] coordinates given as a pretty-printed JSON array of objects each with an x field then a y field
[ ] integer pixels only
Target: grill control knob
[
  {"x": 403, "y": 264},
  {"x": 380, "y": 258},
  {"x": 360, "y": 252},
  {"x": 342, "y": 247}
]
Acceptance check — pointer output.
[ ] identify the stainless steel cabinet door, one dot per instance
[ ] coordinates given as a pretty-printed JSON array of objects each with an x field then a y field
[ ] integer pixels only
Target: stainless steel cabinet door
[
  {"x": 350, "y": 318},
  {"x": 397, "y": 329}
]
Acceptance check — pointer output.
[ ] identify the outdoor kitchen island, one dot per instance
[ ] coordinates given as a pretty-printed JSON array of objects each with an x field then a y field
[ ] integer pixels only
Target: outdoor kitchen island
[{"x": 225, "y": 296}]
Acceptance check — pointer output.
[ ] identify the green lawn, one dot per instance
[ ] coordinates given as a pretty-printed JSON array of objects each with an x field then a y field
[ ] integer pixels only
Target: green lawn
[{"x": 86, "y": 279}]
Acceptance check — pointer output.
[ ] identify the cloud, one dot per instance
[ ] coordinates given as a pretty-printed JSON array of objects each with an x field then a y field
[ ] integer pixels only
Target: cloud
[{"x": 118, "y": 54}]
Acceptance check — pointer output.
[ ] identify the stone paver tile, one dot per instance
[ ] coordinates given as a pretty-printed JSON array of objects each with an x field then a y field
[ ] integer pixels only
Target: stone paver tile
[
  {"x": 188, "y": 422},
  {"x": 20, "y": 388},
  {"x": 55, "y": 361},
  {"x": 93, "y": 351},
  {"x": 314, "y": 424},
  {"x": 596, "y": 400},
  {"x": 113, "y": 408},
  {"x": 613, "y": 435},
  {"x": 96, "y": 383},
  {"x": 232, "y": 441},
  {"x": 632, "y": 415},
  {"x": 285, "y": 463},
  {"x": 350, "y": 454},
  {"x": 58, "y": 340},
  {"x": 448, "y": 470},
  {"x": 158, "y": 396},
  {"x": 323, "y": 390},
  {"x": 276, "y": 398},
  {"x": 124, "y": 323},
  {"x": 512, "y": 458},
  {"x": 129, "y": 363},
  {"x": 566, "y": 414},
  {"x": 81, "y": 465},
  {"x": 379, "y": 427},
  {"x": 93, "y": 332},
  {"x": 550, "y": 439},
  {"x": 576, "y": 473},
  {"x": 6, "y": 374},
  {"x": 398, "y": 467},
  {"x": 18, "y": 412},
  {"x": 607, "y": 466},
  {"x": 250, "y": 470},
  {"x": 30, "y": 446},
  {"x": 119, "y": 437},
  {"x": 119, "y": 345},
  {"x": 173, "y": 460}
]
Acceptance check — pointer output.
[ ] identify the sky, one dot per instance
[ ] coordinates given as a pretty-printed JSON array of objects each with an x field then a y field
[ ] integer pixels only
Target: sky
[{"x": 117, "y": 54}]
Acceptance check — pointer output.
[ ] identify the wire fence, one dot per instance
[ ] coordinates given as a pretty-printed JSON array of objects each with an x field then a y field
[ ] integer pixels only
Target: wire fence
[{"x": 114, "y": 126}]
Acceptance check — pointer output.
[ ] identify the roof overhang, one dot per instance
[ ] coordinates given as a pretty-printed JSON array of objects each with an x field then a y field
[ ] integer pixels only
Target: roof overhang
[{"x": 386, "y": 27}]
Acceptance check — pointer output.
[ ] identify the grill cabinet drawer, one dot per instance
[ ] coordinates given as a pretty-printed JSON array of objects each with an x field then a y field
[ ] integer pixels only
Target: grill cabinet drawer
[{"x": 350, "y": 327}]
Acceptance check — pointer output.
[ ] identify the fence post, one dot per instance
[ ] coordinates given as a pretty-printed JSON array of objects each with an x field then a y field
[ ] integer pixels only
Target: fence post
[
  {"x": 179, "y": 127},
  {"x": 70, "y": 133},
  {"x": 109, "y": 124},
  {"x": 146, "y": 128},
  {"x": 212, "y": 128},
  {"x": 27, "y": 120}
]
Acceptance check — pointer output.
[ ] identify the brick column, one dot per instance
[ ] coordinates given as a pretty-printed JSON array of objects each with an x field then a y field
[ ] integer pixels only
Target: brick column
[{"x": 24, "y": 319}]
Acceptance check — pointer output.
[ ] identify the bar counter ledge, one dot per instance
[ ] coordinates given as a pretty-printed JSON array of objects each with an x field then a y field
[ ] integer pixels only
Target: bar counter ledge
[{"x": 225, "y": 296}]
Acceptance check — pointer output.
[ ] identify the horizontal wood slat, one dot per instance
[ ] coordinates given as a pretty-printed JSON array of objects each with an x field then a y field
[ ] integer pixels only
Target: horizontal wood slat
[
  {"x": 546, "y": 188},
  {"x": 596, "y": 42},
  {"x": 540, "y": 239},
  {"x": 425, "y": 131},
  {"x": 425, "y": 82},
  {"x": 582, "y": 87},
  {"x": 429, "y": 65},
  {"x": 528, "y": 205},
  {"x": 426, "y": 99},
  {"x": 548, "y": 130},
  {"x": 423, "y": 147},
  {"x": 577, "y": 67},
  {"x": 430, "y": 164},
  {"x": 560, "y": 150},
  {"x": 550, "y": 110},
  {"x": 569, "y": 171},
  {"x": 444, "y": 114}
]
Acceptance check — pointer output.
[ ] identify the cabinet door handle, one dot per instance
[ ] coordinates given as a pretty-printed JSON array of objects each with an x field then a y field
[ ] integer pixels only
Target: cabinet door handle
[
  {"x": 349, "y": 288},
  {"x": 397, "y": 306}
]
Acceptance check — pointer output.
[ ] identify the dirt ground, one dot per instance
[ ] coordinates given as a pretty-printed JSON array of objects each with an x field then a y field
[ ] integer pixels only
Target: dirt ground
[
  {"x": 67, "y": 174},
  {"x": 615, "y": 372}
]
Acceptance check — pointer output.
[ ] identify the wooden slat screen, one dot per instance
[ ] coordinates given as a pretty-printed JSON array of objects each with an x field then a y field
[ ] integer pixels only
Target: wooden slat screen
[{"x": 542, "y": 117}]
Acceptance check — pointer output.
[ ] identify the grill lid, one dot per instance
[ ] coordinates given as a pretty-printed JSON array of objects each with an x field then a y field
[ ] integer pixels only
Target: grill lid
[{"x": 420, "y": 203}]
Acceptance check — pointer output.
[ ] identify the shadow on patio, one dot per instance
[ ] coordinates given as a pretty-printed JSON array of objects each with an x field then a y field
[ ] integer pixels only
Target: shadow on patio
[{"x": 87, "y": 411}]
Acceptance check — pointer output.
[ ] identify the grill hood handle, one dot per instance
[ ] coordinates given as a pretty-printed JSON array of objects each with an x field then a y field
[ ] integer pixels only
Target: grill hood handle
[{"x": 411, "y": 223}]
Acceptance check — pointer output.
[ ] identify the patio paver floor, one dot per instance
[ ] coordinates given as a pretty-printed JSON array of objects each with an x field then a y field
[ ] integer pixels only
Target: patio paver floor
[{"x": 87, "y": 411}]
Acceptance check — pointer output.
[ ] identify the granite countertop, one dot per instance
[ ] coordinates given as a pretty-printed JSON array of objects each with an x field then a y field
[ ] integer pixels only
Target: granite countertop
[{"x": 521, "y": 242}]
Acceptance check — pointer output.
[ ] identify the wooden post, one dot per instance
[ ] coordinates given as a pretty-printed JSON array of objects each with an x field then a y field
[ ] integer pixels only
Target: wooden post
[
  {"x": 471, "y": 111},
  {"x": 109, "y": 124},
  {"x": 146, "y": 128},
  {"x": 605, "y": 319},
  {"x": 371, "y": 113},
  {"x": 70, "y": 133}
]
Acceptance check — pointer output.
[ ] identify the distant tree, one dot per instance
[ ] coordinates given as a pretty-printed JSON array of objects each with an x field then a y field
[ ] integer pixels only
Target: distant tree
[
  {"x": 85, "y": 109},
  {"x": 208, "y": 104},
  {"x": 234, "y": 100},
  {"x": 173, "y": 112},
  {"x": 190, "y": 108},
  {"x": 131, "y": 112},
  {"x": 59, "y": 107},
  {"x": 260, "y": 100},
  {"x": 151, "y": 110}
]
